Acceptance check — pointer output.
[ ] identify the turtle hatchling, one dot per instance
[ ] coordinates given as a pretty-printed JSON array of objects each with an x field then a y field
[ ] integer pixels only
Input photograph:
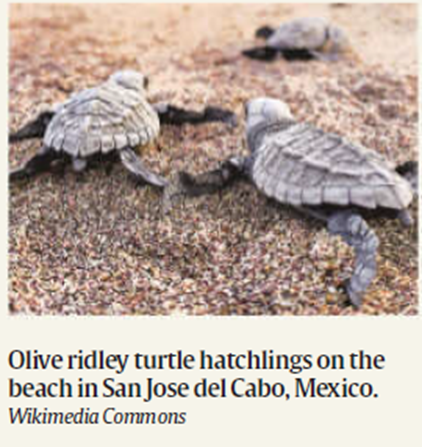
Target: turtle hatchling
[
  {"x": 304, "y": 39},
  {"x": 318, "y": 173},
  {"x": 113, "y": 118}
]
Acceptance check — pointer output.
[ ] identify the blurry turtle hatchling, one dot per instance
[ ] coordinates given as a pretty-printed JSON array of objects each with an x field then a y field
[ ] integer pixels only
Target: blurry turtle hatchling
[
  {"x": 301, "y": 39},
  {"x": 318, "y": 173},
  {"x": 109, "y": 120}
]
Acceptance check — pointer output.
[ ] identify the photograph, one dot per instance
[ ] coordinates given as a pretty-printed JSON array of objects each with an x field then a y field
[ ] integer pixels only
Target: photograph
[{"x": 213, "y": 159}]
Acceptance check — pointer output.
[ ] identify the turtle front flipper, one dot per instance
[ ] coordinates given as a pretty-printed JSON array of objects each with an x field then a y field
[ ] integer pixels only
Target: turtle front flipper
[
  {"x": 206, "y": 183},
  {"x": 212, "y": 181},
  {"x": 34, "y": 129},
  {"x": 177, "y": 116},
  {"x": 134, "y": 165},
  {"x": 353, "y": 229},
  {"x": 409, "y": 170},
  {"x": 264, "y": 32},
  {"x": 215, "y": 114},
  {"x": 299, "y": 54},
  {"x": 267, "y": 54},
  {"x": 37, "y": 164}
]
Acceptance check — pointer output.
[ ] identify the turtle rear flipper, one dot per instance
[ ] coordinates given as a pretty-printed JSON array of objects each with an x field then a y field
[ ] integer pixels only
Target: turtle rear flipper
[
  {"x": 33, "y": 129},
  {"x": 353, "y": 229},
  {"x": 38, "y": 163},
  {"x": 177, "y": 116},
  {"x": 262, "y": 53},
  {"x": 134, "y": 165}
]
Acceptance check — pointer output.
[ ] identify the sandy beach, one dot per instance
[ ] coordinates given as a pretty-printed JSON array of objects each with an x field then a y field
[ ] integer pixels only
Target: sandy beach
[{"x": 98, "y": 244}]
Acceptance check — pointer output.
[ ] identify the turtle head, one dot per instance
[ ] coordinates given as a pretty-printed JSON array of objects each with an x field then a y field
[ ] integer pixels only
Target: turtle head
[
  {"x": 337, "y": 41},
  {"x": 130, "y": 79},
  {"x": 267, "y": 110},
  {"x": 261, "y": 113}
]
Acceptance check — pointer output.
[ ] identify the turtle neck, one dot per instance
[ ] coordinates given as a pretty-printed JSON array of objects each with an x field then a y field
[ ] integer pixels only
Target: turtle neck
[{"x": 259, "y": 131}]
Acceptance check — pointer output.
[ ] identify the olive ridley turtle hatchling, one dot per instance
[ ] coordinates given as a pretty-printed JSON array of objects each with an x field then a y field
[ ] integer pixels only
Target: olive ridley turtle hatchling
[
  {"x": 318, "y": 173},
  {"x": 110, "y": 119},
  {"x": 303, "y": 38}
]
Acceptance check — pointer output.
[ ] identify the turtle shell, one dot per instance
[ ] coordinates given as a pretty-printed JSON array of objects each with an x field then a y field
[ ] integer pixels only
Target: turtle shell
[
  {"x": 100, "y": 120},
  {"x": 306, "y": 33},
  {"x": 303, "y": 165}
]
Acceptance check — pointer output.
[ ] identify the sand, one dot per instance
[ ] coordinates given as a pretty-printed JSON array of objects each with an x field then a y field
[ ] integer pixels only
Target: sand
[{"x": 97, "y": 244}]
